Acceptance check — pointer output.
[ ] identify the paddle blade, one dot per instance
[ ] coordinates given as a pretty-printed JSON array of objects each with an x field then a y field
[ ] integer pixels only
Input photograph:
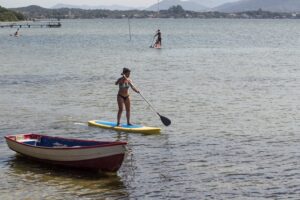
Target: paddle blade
[{"x": 165, "y": 120}]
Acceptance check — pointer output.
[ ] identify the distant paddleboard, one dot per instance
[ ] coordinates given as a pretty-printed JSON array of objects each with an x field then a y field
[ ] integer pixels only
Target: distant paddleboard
[
  {"x": 124, "y": 127},
  {"x": 155, "y": 47}
]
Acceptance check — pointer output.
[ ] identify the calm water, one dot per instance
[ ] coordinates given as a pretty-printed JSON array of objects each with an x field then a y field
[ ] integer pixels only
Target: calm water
[{"x": 230, "y": 87}]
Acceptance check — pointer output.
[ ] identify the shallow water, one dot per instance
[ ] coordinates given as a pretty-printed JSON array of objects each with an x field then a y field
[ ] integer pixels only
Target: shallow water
[{"x": 230, "y": 87}]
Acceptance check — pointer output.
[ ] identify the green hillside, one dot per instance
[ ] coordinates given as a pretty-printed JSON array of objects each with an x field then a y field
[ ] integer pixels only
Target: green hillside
[{"x": 9, "y": 15}]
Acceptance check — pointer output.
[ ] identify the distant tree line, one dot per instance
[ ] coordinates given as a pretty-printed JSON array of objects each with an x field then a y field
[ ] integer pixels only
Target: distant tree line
[
  {"x": 36, "y": 12},
  {"x": 9, "y": 15}
]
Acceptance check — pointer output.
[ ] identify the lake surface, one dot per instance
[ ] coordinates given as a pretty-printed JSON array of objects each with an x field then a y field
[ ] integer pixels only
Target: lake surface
[{"x": 230, "y": 87}]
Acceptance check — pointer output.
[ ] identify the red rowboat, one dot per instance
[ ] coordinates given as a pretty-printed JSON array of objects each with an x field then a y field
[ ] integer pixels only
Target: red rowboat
[{"x": 86, "y": 154}]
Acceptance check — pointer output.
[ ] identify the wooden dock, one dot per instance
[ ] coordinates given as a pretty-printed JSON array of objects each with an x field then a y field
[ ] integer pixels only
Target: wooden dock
[{"x": 31, "y": 24}]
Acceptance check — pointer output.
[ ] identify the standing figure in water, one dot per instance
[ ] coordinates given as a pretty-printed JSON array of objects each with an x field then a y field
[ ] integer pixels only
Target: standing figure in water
[
  {"x": 157, "y": 43},
  {"x": 123, "y": 95},
  {"x": 17, "y": 33}
]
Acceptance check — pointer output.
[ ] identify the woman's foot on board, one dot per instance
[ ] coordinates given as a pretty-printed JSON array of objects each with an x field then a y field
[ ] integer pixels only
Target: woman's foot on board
[{"x": 129, "y": 124}]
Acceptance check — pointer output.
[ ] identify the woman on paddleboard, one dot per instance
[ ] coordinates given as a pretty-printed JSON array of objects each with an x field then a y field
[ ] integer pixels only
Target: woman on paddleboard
[
  {"x": 123, "y": 96},
  {"x": 158, "y": 40}
]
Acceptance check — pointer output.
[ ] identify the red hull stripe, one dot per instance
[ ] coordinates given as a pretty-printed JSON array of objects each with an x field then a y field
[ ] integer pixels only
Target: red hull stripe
[{"x": 105, "y": 164}]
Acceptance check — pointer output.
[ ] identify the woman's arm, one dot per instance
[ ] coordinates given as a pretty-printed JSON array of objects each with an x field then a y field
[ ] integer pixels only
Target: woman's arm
[
  {"x": 132, "y": 86},
  {"x": 118, "y": 81}
]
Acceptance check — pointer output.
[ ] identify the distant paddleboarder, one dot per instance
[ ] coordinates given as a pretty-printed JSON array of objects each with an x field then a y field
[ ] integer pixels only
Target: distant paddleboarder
[
  {"x": 157, "y": 43},
  {"x": 17, "y": 33},
  {"x": 123, "y": 96}
]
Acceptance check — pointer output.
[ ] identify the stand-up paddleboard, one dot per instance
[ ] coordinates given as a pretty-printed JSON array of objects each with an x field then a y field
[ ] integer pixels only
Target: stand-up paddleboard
[
  {"x": 155, "y": 47},
  {"x": 125, "y": 127}
]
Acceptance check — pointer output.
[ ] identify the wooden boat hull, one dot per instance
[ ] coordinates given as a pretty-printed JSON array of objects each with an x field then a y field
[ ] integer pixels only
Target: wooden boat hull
[{"x": 96, "y": 156}]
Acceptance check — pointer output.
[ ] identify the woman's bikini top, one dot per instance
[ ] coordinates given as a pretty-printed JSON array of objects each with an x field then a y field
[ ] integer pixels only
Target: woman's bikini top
[{"x": 124, "y": 85}]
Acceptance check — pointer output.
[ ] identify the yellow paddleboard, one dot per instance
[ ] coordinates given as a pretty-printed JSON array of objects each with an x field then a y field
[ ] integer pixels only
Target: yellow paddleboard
[{"x": 125, "y": 127}]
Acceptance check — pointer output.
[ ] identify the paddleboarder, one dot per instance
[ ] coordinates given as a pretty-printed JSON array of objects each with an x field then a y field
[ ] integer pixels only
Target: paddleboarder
[
  {"x": 17, "y": 33},
  {"x": 158, "y": 39},
  {"x": 123, "y": 95}
]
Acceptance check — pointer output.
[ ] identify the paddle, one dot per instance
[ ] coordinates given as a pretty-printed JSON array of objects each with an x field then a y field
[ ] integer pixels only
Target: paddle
[
  {"x": 163, "y": 119},
  {"x": 151, "y": 46}
]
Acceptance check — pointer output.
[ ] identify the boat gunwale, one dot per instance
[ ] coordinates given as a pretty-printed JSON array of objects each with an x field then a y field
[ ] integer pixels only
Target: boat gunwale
[{"x": 109, "y": 143}]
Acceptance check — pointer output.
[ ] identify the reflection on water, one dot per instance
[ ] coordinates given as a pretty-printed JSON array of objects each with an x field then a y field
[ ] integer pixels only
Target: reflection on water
[{"x": 62, "y": 182}]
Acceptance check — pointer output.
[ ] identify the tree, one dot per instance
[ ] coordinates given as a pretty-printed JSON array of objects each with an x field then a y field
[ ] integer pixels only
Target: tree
[
  {"x": 176, "y": 9},
  {"x": 8, "y": 15}
]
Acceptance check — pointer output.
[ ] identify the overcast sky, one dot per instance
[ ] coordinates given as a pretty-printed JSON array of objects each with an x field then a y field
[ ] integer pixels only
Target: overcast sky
[{"x": 50, "y": 3}]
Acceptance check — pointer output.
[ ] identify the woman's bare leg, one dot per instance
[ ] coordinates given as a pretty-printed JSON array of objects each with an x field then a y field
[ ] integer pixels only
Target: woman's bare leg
[
  {"x": 127, "y": 107},
  {"x": 120, "y": 105}
]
